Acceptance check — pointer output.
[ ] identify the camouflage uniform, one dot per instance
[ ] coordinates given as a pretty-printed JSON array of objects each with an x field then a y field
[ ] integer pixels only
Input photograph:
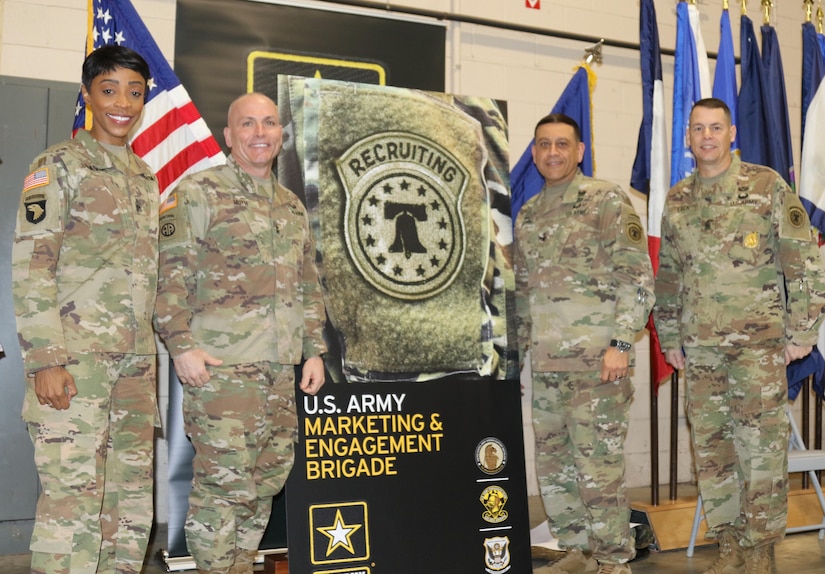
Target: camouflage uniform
[
  {"x": 739, "y": 277},
  {"x": 84, "y": 279},
  {"x": 583, "y": 277},
  {"x": 238, "y": 280}
]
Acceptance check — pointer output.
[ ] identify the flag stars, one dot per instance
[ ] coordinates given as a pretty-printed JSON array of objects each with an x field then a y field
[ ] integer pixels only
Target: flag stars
[
  {"x": 105, "y": 16},
  {"x": 106, "y": 35},
  {"x": 119, "y": 38},
  {"x": 151, "y": 85}
]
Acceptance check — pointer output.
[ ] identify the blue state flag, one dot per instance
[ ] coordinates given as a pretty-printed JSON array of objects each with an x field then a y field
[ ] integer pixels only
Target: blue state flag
[
  {"x": 775, "y": 106},
  {"x": 691, "y": 83},
  {"x": 724, "y": 78},
  {"x": 525, "y": 179},
  {"x": 752, "y": 127}
]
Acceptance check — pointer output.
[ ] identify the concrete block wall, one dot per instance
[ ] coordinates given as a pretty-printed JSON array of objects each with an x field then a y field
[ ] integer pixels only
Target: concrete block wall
[{"x": 44, "y": 39}]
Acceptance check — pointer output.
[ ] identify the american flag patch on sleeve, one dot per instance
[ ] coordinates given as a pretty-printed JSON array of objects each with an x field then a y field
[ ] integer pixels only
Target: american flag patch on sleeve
[{"x": 35, "y": 179}]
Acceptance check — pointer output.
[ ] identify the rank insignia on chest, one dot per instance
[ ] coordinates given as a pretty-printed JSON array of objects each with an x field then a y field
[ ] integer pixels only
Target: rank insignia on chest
[
  {"x": 751, "y": 240},
  {"x": 403, "y": 223}
]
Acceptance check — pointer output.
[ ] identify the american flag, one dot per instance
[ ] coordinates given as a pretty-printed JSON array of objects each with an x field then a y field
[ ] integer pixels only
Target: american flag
[{"x": 172, "y": 136}]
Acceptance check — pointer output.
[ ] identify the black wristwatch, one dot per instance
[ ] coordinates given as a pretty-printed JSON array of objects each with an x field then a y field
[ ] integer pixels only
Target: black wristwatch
[{"x": 622, "y": 346}]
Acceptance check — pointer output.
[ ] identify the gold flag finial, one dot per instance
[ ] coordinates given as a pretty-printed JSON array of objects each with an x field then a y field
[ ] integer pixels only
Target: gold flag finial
[
  {"x": 819, "y": 18},
  {"x": 766, "y": 11},
  {"x": 809, "y": 9},
  {"x": 725, "y": 5},
  {"x": 743, "y": 7}
]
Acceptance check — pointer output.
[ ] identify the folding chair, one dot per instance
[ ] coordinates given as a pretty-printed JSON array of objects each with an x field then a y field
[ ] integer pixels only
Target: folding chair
[{"x": 800, "y": 459}]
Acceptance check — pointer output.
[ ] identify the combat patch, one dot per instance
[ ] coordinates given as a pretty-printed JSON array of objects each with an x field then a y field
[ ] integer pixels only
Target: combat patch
[
  {"x": 40, "y": 202},
  {"x": 403, "y": 225}
]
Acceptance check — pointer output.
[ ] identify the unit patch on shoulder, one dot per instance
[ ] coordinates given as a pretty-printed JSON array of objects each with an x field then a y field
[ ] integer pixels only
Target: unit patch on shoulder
[
  {"x": 796, "y": 216},
  {"x": 35, "y": 206},
  {"x": 403, "y": 223},
  {"x": 633, "y": 228}
]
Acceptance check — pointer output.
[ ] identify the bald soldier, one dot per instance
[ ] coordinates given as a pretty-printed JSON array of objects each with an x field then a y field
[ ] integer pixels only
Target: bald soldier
[
  {"x": 239, "y": 304},
  {"x": 584, "y": 287},
  {"x": 739, "y": 295}
]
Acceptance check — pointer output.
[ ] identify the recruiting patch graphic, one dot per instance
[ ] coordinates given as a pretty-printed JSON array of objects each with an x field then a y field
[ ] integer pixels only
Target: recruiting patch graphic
[
  {"x": 497, "y": 554},
  {"x": 494, "y": 498},
  {"x": 403, "y": 223},
  {"x": 491, "y": 456},
  {"x": 339, "y": 532}
]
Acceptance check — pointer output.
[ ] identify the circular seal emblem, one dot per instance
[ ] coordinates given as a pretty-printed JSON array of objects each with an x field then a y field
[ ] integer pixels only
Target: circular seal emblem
[
  {"x": 167, "y": 229},
  {"x": 491, "y": 456},
  {"x": 403, "y": 223},
  {"x": 796, "y": 215}
]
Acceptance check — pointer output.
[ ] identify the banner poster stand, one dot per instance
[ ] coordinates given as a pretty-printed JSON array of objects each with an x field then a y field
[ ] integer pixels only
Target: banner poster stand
[{"x": 410, "y": 477}]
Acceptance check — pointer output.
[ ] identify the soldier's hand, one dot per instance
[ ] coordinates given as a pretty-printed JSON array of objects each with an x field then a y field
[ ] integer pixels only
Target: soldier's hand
[
  {"x": 312, "y": 375},
  {"x": 614, "y": 365},
  {"x": 675, "y": 358},
  {"x": 191, "y": 367},
  {"x": 794, "y": 352},
  {"x": 54, "y": 387}
]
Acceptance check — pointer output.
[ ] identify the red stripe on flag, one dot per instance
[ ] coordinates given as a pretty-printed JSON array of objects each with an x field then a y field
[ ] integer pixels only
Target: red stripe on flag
[
  {"x": 660, "y": 369},
  {"x": 178, "y": 165},
  {"x": 152, "y": 136}
]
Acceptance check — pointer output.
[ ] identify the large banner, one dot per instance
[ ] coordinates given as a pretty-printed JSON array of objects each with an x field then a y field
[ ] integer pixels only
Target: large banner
[
  {"x": 413, "y": 450},
  {"x": 406, "y": 478}
]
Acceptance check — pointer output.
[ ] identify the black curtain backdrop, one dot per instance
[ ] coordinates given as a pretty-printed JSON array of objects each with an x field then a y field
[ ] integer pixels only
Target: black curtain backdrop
[{"x": 213, "y": 39}]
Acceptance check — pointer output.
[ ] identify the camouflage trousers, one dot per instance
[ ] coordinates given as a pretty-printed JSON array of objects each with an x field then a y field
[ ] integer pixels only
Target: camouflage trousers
[
  {"x": 243, "y": 425},
  {"x": 580, "y": 425},
  {"x": 95, "y": 462},
  {"x": 736, "y": 399}
]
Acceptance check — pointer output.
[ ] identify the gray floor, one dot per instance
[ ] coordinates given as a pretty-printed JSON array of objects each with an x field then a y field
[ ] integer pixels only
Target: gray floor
[{"x": 797, "y": 554}]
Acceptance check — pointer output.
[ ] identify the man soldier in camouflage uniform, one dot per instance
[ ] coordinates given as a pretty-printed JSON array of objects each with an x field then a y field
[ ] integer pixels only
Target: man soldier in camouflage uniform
[
  {"x": 84, "y": 275},
  {"x": 584, "y": 290},
  {"x": 740, "y": 295},
  {"x": 239, "y": 304}
]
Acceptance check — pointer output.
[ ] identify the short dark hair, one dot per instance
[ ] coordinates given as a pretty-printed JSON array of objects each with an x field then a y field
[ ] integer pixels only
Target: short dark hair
[
  {"x": 713, "y": 104},
  {"x": 560, "y": 119},
  {"x": 106, "y": 58}
]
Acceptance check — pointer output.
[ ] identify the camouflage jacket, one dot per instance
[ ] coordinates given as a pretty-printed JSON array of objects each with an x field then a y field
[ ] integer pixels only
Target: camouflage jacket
[
  {"x": 738, "y": 263},
  {"x": 84, "y": 261},
  {"x": 583, "y": 274},
  {"x": 237, "y": 271}
]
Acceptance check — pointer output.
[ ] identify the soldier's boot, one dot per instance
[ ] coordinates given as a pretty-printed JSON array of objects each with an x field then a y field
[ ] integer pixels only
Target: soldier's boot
[
  {"x": 244, "y": 562},
  {"x": 574, "y": 562},
  {"x": 731, "y": 559},
  {"x": 760, "y": 560}
]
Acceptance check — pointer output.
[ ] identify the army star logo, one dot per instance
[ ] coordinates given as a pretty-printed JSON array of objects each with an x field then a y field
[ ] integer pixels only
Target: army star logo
[
  {"x": 403, "y": 224},
  {"x": 339, "y": 532}
]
